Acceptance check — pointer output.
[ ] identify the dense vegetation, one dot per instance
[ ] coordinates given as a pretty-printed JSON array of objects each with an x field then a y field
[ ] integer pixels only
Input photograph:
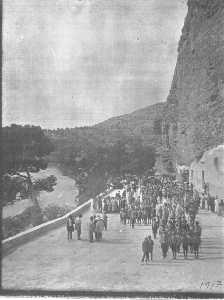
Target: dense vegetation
[
  {"x": 128, "y": 143},
  {"x": 93, "y": 158},
  {"x": 24, "y": 149}
]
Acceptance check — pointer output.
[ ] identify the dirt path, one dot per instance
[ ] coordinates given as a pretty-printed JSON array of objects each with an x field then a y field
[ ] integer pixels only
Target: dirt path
[{"x": 51, "y": 262}]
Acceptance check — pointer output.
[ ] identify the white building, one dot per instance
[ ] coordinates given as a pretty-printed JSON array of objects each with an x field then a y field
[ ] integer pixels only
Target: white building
[{"x": 210, "y": 170}]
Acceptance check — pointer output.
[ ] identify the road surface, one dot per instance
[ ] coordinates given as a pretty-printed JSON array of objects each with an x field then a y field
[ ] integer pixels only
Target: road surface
[{"x": 52, "y": 263}]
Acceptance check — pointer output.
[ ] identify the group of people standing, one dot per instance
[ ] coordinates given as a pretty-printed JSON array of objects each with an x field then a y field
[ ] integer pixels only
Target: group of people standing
[
  {"x": 213, "y": 204},
  {"x": 110, "y": 204},
  {"x": 95, "y": 226},
  {"x": 72, "y": 225}
]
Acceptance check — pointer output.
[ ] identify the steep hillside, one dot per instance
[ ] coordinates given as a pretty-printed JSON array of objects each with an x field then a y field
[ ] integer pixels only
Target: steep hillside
[
  {"x": 196, "y": 99},
  {"x": 124, "y": 144},
  {"x": 144, "y": 123}
]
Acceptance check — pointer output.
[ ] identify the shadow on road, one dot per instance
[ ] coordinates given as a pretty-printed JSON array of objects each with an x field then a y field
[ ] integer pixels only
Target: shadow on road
[
  {"x": 170, "y": 263},
  {"x": 209, "y": 253},
  {"x": 211, "y": 258},
  {"x": 115, "y": 241},
  {"x": 213, "y": 247}
]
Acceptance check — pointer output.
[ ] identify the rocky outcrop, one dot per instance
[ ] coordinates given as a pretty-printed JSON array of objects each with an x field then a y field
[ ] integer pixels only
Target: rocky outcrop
[{"x": 195, "y": 119}]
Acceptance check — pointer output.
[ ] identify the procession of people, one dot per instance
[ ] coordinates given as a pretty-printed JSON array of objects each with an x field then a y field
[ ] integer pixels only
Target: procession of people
[{"x": 169, "y": 207}]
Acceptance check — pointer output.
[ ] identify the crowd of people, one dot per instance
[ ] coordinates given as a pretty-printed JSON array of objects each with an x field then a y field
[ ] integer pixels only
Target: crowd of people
[
  {"x": 110, "y": 204},
  {"x": 168, "y": 206}
]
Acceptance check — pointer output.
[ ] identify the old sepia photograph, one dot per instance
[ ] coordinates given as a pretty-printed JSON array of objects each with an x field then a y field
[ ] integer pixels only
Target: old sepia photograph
[{"x": 112, "y": 148}]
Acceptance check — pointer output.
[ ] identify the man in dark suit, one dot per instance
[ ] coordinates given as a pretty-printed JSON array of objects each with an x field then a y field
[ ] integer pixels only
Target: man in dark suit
[{"x": 70, "y": 227}]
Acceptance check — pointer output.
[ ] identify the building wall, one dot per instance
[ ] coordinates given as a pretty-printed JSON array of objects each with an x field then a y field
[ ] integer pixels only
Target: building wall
[{"x": 212, "y": 164}]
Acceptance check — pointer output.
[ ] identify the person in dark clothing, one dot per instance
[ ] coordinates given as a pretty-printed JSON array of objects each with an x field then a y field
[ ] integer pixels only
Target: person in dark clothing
[
  {"x": 105, "y": 218},
  {"x": 70, "y": 227},
  {"x": 212, "y": 204},
  {"x": 155, "y": 227},
  {"x": 197, "y": 229},
  {"x": 144, "y": 216},
  {"x": 95, "y": 221},
  {"x": 100, "y": 204},
  {"x": 221, "y": 208},
  {"x": 91, "y": 229},
  {"x": 78, "y": 224},
  {"x": 149, "y": 221},
  {"x": 132, "y": 219},
  {"x": 150, "y": 245},
  {"x": 185, "y": 244},
  {"x": 145, "y": 250}
]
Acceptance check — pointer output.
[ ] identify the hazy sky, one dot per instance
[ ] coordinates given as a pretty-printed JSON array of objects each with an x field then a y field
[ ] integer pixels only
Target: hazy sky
[{"x": 70, "y": 63}]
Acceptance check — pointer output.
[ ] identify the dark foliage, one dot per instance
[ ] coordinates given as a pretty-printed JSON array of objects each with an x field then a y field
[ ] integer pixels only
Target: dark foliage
[
  {"x": 45, "y": 184},
  {"x": 24, "y": 147},
  {"x": 11, "y": 185},
  {"x": 17, "y": 224},
  {"x": 14, "y": 225},
  {"x": 86, "y": 154},
  {"x": 52, "y": 212}
]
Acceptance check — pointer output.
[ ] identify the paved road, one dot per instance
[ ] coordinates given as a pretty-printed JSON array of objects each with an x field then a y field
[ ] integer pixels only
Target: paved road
[{"x": 51, "y": 262}]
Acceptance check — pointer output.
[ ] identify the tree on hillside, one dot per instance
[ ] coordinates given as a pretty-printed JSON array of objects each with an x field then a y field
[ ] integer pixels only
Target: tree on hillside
[
  {"x": 24, "y": 149},
  {"x": 141, "y": 159},
  {"x": 116, "y": 158}
]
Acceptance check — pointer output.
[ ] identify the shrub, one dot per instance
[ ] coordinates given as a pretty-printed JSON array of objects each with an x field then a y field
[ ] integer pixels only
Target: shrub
[
  {"x": 14, "y": 225},
  {"x": 52, "y": 212}
]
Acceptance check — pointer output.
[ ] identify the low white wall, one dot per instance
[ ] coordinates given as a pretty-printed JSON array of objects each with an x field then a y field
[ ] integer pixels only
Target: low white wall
[
  {"x": 10, "y": 244},
  {"x": 13, "y": 242}
]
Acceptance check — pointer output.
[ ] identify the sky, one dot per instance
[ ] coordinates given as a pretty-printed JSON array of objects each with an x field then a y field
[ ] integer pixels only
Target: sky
[{"x": 69, "y": 63}]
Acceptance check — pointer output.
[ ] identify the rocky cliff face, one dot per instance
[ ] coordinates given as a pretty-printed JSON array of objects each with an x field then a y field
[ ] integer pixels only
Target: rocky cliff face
[{"x": 195, "y": 122}]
